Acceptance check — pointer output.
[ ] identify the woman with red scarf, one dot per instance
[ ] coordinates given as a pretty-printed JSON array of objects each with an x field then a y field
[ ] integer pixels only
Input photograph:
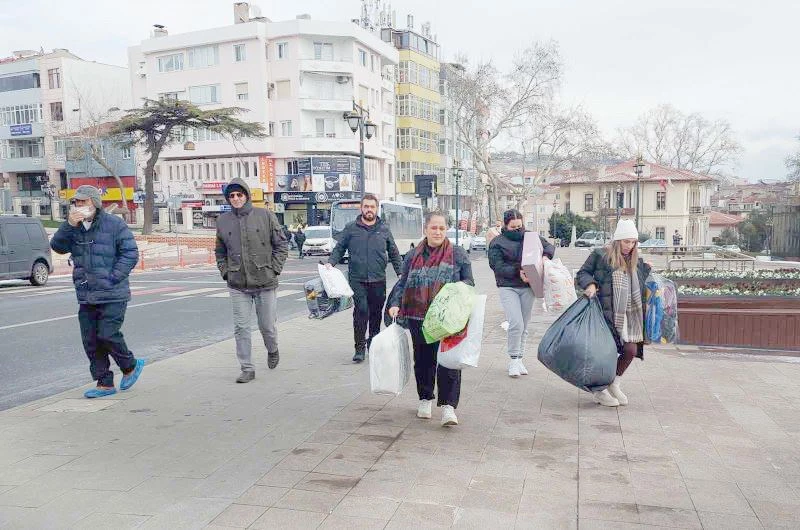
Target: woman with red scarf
[{"x": 433, "y": 263}]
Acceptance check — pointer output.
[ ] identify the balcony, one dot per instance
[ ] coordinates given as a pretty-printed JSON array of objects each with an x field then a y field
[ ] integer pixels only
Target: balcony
[
  {"x": 16, "y": 165},
  {"x": 313, "y": 102},
  {"x": 699, "y": 210},
  {"x": 339, "y": 66},
  {"x": 329, "y": 142}
]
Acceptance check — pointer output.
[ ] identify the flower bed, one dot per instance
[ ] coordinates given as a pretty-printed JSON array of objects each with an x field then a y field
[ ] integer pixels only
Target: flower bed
[
  {"x": 738, "y": 289},
  {"x": 780, "y": 282},
  {"x": 714, "y": 274}
]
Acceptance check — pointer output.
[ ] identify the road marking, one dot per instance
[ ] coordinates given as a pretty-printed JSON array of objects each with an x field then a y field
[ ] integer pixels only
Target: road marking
[
  {"x": 194, "y": 291},
  {"x": 55, "y": 319},
  {"x": 30, "y": 288},
  {"x": 144, "y": 291},
  {"x": 223, "y": 294},
  {"x": 281, "y": 294}
]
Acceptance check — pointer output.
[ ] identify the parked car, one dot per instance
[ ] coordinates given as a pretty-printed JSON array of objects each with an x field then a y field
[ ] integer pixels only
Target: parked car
[
  {"x": 319, "y": 241},
  {"x": 732, "y": 248},
  {"x": 656, "y": 246},
  {"x": 593, "y": 238},
  {"x": 479, "y": 242},
  {"x": 24, "y": 250},
  {"x": 464, "y": 238}
]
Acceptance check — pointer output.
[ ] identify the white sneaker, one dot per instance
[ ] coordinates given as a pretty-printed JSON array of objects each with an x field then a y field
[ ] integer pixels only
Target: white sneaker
[
  {"x": 424, "y": 410},
  {"x": 513, "y": 368},
  {"x": 522, "y": 369},
  {"x": 448, "y": 416},
  {"x": 615, "y": 390},
  {"x": 605, "y": 399}
]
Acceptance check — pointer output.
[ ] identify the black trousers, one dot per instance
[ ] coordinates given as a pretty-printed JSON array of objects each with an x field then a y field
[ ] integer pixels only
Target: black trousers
[
  {"x": 300, "y": 250},
  {"x": 368, "y": 300},
  {"x": 100, "y": 330},
  {"x": 428, "y": 372}
]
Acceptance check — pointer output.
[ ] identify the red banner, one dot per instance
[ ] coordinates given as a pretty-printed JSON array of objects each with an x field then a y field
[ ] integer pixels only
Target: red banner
[{"x": 266, "y": 172}]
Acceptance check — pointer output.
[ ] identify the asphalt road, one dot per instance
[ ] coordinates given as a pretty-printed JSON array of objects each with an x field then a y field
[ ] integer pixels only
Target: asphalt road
[{"x": 171, "y": 312}]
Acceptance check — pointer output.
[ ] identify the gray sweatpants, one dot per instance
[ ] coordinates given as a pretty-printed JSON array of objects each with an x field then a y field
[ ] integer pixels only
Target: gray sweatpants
[
  {"x": 517, "y": 303},
  {"x": 266, "y": 303}
]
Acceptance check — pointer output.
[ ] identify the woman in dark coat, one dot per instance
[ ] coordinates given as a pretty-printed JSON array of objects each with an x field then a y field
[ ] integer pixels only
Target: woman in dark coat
[
  {"x": 617, "y": 275},
  {"x": 516, "y": 295},
  {"x": 300, "y": 238},
  {"x": 432, "y": 264}
]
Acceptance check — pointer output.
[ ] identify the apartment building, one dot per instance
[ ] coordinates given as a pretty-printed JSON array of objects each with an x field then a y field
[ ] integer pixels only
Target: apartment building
[
  {"x": 418, "y": 105},
  {"x": 298, "y": 78},
  {"x": 45, "y": 97},
  {"x": 671, "y": 199}
]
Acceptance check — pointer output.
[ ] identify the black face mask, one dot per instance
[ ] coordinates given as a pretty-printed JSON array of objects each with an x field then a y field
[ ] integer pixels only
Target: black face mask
[{"x": 514, "y": 235}]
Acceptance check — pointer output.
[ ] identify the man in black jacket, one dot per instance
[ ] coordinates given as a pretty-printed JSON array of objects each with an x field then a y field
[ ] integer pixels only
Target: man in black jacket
[
  {"x": 369, "y": 243},
  {"x": 251, "y": 251}
]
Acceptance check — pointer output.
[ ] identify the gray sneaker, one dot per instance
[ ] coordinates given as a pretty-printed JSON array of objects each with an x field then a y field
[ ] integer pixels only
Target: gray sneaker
[{"x": 246, "y": 377}]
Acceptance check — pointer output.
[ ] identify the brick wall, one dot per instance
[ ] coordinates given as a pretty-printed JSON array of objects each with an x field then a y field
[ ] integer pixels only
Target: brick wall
[{"x": 206, "y": 242}]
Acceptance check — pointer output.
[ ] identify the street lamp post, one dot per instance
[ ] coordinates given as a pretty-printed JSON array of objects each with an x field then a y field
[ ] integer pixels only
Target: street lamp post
[
  {"x": 638, "y": 167},
  {"x": 489, "y": 202},
  {"x": 358, "y": 120},
  {"x": 457, "y": 172},
  {"x": 50, "y": 191}
]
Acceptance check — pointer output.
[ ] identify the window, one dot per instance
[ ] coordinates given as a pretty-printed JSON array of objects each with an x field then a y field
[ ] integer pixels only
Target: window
[
  {"x": 56, "y": 111},
  {"x": 54, "y": 78},
  {"x": 203, "y": 57},
  {"x": 241, "y": 91},
  {"x": 200, "y": 95},
  {"x": 271, "y": 128},
  {"x": 169, "y": 96},
  {"x": 660, "y": 232},
  {"x": 291, "y": 167},
  {"x": 60, "y": 146},
  {"x": 588, "y": 202},
  {"x": 21, "y": 114},
  {"x": 284, "y": 89},
  {"x": 22, "y": 148},
  {"x": 325, "y": 128},
  {"x": 620, "y": 199},
  {"x": 362, "y": 57},
  {"x": 19, "y": 82},
  {"x": 170, "y": 63},
  {"x": 661, "y": 203},
  {"x": 286, "y": 128},
  {"x": 323, "y": 51},
  {"x": 372, "y": 62},
  {"x": 283, "y": 50},
  {"x": 239, "y": 53}
]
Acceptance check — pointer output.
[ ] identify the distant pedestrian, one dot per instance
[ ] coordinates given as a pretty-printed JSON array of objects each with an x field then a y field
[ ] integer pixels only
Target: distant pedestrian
[
  {"x": 251, "y": 250},
  {"x": 103, "y": 254},
  {"x": 371, "y": 247},
  {"x": 288, "y": 235},
  {"x": 300, "y": 238},
  {"x": 426, "y": 269},
  {"x": 617, "y": 275},
  {"x": 516, "y": 295},
  {"x": 676, "y": 241}
]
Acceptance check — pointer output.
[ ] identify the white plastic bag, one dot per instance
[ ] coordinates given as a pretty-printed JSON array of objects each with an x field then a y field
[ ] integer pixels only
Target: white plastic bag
[
  {"x": 390, "y": 360},
  {"x": 464, "y": 349},
  {"x": 559, "y": 287},
  {"x": 336, "y": 285}
]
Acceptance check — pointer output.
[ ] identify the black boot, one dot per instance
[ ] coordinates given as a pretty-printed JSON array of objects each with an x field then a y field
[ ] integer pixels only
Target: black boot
[{"x": 359, "y": 356}]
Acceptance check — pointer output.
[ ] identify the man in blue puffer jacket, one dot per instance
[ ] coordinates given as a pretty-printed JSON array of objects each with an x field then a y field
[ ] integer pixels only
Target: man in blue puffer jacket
[{"x": 103, "y": 254}]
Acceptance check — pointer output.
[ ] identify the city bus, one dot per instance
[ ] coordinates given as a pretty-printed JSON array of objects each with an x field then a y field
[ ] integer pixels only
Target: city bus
[{"x": 404, "y": 220}]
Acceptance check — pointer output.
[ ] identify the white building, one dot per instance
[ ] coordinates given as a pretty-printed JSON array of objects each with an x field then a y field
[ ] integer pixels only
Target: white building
[
  {"x": 43, "y": 98},
  {"x": 298, "y": 78}
]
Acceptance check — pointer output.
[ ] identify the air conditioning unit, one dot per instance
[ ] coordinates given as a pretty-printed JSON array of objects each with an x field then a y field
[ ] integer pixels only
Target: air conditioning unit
[{"x": 342, "y": 79}]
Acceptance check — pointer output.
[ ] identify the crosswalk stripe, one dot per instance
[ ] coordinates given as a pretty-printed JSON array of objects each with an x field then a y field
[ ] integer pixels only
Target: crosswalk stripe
[
  {"x": 193, "y": 292},
  {"x": 223, "y": 294},
  {"x": 281, "y": 294}
]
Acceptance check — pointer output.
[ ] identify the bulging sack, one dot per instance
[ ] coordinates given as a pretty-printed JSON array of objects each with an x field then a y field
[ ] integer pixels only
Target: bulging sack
[
  {"x": 389, "y": 360},
  {"x": 449, "y": 311},
  {"x": 336, "y": 285},
  {"x": 320, "y": 305},
  {"x": 532, "y": 262},
  {"x": 463, "y": 349},
  {"x": 661, "y": 315},
  {"x": 559, "y": 286},
  {"x": 579, "y": 346}
]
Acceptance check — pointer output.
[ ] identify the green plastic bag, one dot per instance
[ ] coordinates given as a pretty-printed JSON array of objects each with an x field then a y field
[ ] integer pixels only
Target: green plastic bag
[{"x": 449, "y": 312}]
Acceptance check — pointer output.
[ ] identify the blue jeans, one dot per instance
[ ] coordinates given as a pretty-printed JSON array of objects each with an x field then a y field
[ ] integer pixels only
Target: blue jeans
[{"x": 100, "y": 330}]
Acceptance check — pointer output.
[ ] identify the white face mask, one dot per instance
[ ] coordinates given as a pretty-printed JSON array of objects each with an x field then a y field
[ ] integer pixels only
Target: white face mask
[{"x": 87, "y": 211}]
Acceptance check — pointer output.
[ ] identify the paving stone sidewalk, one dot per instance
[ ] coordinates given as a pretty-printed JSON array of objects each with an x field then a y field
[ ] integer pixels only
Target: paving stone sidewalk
[{"x": 708, "y": 441}]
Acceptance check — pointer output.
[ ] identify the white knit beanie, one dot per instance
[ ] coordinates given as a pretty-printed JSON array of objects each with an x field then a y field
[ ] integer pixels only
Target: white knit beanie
[{"x": 626, "y": 229}]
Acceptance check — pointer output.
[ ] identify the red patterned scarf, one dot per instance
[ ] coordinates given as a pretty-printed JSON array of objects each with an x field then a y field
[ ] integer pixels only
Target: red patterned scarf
[{"x": 430, "y": 269}]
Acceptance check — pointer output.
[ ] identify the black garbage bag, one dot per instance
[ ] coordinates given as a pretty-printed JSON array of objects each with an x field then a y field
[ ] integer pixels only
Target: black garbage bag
[{"x": 579, "y": 346}]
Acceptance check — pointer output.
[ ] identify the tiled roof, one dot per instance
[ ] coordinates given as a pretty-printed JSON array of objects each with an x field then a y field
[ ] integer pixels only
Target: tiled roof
[
  {"x": 623, "y": 172},
  {"x": 723, "y": 219}
]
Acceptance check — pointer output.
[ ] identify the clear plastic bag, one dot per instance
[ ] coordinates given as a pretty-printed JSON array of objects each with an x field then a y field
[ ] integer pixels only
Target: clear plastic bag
[
  {"x": 320, "y": 305},
  {"x": 390, "y": 360},
  {"x": 661, "y": 313},
  {"x": 464, "y": 349}
]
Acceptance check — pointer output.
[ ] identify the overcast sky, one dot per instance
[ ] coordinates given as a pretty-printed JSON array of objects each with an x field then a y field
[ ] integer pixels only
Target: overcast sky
[{"x": 723, "y": 58}]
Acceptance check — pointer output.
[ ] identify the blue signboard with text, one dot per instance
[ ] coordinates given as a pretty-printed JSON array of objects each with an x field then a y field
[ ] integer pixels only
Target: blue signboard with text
[{"x": 24, "y": 129}]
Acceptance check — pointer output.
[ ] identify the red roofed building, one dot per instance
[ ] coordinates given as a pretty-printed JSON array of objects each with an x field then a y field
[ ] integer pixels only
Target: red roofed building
[
  {"x": 671, "y": 199},
  {"x": 718, "y": 222}
]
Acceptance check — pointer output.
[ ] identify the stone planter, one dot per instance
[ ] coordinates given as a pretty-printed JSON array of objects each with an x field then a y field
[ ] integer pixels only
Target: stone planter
[
  {"x": 765, "y": 322},
  {"x": 763, "y": 284}
]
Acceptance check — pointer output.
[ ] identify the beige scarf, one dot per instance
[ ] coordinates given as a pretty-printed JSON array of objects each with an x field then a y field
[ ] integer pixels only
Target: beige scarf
[{"x": 628, "y": 313}]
